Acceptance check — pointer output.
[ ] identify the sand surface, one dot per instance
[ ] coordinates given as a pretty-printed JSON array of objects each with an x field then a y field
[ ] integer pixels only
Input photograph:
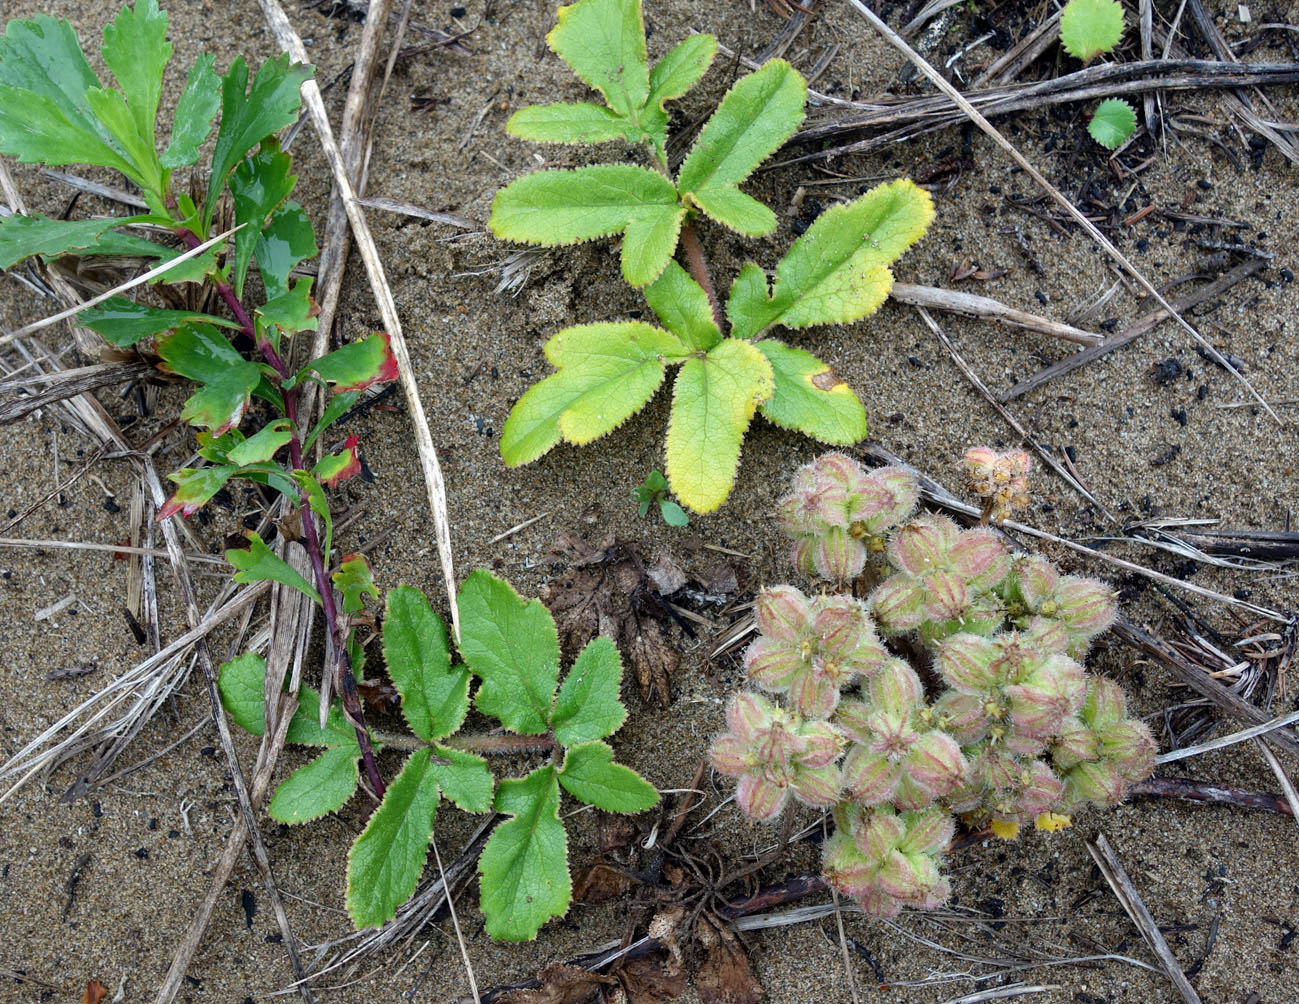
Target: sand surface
[{"x": 142, "y": 846}]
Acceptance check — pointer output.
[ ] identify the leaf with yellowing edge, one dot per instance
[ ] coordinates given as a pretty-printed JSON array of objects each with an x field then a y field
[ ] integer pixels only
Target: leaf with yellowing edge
[
  {"x": 809, "y": 397},
  {"x": 339, "y": 466},
  {"x": 712, "y": 405}
]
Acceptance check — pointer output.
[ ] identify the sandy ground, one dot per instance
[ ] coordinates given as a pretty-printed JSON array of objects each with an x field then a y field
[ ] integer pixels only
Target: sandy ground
[{"x": 142, "y": 847}]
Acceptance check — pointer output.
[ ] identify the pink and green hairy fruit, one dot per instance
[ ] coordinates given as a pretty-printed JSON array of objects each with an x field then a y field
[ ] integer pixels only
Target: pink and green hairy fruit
[
  {"x": 899, "y": 756},
  {"x": 811, "y": 649},
  {"x": 775, "y": 755},
  {"x": 1083, "y": 607},
  {"x": 1006, "y": 788},
  {"x": 886, "y": 860},
  {"x": 837, "y": 514},
  {"x": 1103, "y": 752},
  {"x": 1000, "y": 480},
  {"x": 1048, "y": 697}
]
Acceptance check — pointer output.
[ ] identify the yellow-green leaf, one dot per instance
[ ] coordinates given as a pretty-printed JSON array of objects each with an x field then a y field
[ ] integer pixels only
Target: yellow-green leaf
[
  {"x": 810, "y": 397},
  {"x": 604, "y": 42},
  {"x": 713, "y": 402}
]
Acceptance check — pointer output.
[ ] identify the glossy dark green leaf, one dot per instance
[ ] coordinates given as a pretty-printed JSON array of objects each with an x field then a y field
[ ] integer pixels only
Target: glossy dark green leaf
[
  {"x": 258, "y": 185},
  {"x": 194, "y": 113},
  {"x": 199, "y": 352},
  {"x": 124, "y": 322}
]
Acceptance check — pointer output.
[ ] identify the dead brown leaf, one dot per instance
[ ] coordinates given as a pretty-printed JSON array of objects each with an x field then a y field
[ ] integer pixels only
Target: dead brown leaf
[
  {"x": 652, "y": 979},
  {"x": 600, "y": 883},
  {"x": 614, "y": 831},
  {"x": 94, "y": 992},
  {"x": 724, "y": 976},
  {"x": 560, "y": 984}
]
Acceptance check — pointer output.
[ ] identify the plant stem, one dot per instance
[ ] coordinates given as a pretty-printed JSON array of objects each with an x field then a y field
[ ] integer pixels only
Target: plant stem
[
  {"x": 699, "y": 270},
  {"x": 500, "y": 743},
  {"x": 311, "y": 537}
]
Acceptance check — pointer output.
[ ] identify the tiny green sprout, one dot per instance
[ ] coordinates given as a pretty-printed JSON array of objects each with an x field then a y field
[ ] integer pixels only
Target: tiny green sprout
[
  {"x": 1090, "y": 27},
  {"x": 654, "y": 489},
  {"x": 729, "y": 367},
  {"x": 1112, "y": 123}
]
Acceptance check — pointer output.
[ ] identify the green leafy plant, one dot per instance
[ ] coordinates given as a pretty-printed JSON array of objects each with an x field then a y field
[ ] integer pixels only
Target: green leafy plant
[
  {"x": 729, "y": 367},
  {"x": 653, "y": 491},
  {"x": 1112, "y": 123},
  {"x": 512, "y": 647},
  {"x": 1090, "y": 27},
  {"x": 55, "y": 110}
]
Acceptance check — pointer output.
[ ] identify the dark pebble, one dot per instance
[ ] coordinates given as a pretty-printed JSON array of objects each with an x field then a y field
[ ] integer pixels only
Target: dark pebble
[
  {"x": 1180, "y": 415},
  {"x": 111, "y": 506},
  {"x": 1287, "y": 275},
  {"x": 1167, "y": 370},
  {"x": 1205, "y": 185},
  {"x": 1041, "y": 298}
]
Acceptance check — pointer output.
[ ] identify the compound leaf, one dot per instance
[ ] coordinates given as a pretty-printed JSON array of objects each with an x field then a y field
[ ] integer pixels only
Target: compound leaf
[
  {"x": 567, "y": 123},
  {"x": 136, "y": 50},
  {"x": 588, "y": 706},
  {"x": 1112, "y": 123},
  {"x": 466, "y": 780},
  {"x": 385, "y": 862},
  {"x": 249, "y": 116},
  {"x": 194, "y": 113},
  {"x": 200, "y": 353},
  {"x": 590, "y": 775},
  {"x": 567, "y": 206},
  {"x": 1090, "y": 27},
  {"x": 434, "y": 697},
  {"x": 195, "y": 486},
  {"x": 754, "y": 120},
  {"x": 357, "y": 365},
  {"x": 323, "y": 786},
  {"x": 524, "y": 866},
  {"x": 713, "y": 402},
  {"x": 604, "y": 42},
  {"x": 512, "y": 646},
  {"x": 259, "y": 564},
  {"x": 809, "y": 397},
  {"x": 605, "y": 373},
  {"x": 837, "y": 271},
  {"x": 124, "y": 322},
  {"x": 683, "y": 307}
]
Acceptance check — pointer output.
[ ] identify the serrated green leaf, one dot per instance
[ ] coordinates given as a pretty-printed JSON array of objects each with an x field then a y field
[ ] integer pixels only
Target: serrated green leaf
[
  {"x": 1112, "y": 123},
  {"x": 44, "y": 56},
  {"x": 260, "y": 564},
  {"x": 434, "y": 697},
  {"x": 305, "y": 729},
  {"x": 605, "y": 374},
  {"x": 249, "y": 116},
  {"x": 109, "y": 106},
  {"x": 588, "y": 706},
  {"x": 837, "y": 271},
  {"x": 339, "y": 405},
  {"x": 322, "y": 786},
  {"x": 136, "y": 51},
  {"x": 567, "y": 206},
  {"x": 1090, "y": 27},
  {"x": 754, "y": 120},
  {"x": 567, "y": 123},
  {"x": 334, "y": 468},
  {"x": 682, "y": 305},
  {"x": 355, "y": 580},
  {"x": 590, "y": 775},
  {"x": 194, "y": 113},
  {"x": 604, "y": 42},
  {"x": 123, "y": 322},
  {"x": 24, "y": 236},
  {"x": 524, "y": 867},
  {"x": 291, "y": 311},
  {"x": 682, "y": 68},
  {"x": 261, "y": 445},
  {"x": 285, "y": 241},
  {"x": 386, "y": 860},
  {"x": 199, "y": 353},
  {"x": 242, "y": 683},
  {"x": 258, "y": 186},
  {"x": 809, "y": 397},
  {"x": 466, "y": 780},
  {"x": 357, "y": 365},
  {"x": 713, "y": 402},
  {"x": 513, "y": 648},
  {"x": 194, "y": 487}
]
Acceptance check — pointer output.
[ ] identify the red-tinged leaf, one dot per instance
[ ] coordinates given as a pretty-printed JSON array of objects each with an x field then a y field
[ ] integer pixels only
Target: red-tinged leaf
[
  {"x": 357, "y": 365},
  {"x": 200, "y": 353},
  {"x": 197, "y": 485},
  {"x": 339, "y": 466},
  {"x": 355, "y": 581}
]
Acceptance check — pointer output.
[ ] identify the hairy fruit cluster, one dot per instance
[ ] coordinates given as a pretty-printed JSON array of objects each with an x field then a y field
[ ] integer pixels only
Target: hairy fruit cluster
[{"x": 998, "y": 722}]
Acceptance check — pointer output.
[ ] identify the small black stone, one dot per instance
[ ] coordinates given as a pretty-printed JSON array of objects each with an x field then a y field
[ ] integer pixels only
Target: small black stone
[
  {"x": 1167, "y": 370},
  {"x": 142, "y": 853},
  {"x": 1286, "y": 276},
  {"x": 1180, "y": 415},
  {"x": 457, "y": 12},
  {"x": 111, "y": 506},
  {"x": 1041, "y": 297},
  {"x": 1205, "y": 185}
]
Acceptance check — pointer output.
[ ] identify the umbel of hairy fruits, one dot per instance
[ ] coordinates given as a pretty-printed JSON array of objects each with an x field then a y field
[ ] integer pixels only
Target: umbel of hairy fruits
[
  {"x": 775, "y": 755},
  {"x": 944, "y": 581},
  {"x": 811, "y": 648},
  {"x": 887, "y": 859},
  {"x": 1102, "y": 752},
  {"x": 999, "y": 479},
  {"x": 838, "y": 514},
  {"x": 1037, "y": 595}
]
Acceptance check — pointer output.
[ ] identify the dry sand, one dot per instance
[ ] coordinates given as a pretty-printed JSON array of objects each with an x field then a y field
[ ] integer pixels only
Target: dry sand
[{"x": 151, "y": 838}]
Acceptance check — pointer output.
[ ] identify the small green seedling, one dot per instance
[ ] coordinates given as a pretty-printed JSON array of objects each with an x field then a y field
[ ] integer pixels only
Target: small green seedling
[
  {"x": 1090, "y": 27},
  {"x": 729, "y": 366},
  {"x": 1112, "y": 123},
  {"x": 512, "y": 647},
  {"x": 654, "y": 491}
]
